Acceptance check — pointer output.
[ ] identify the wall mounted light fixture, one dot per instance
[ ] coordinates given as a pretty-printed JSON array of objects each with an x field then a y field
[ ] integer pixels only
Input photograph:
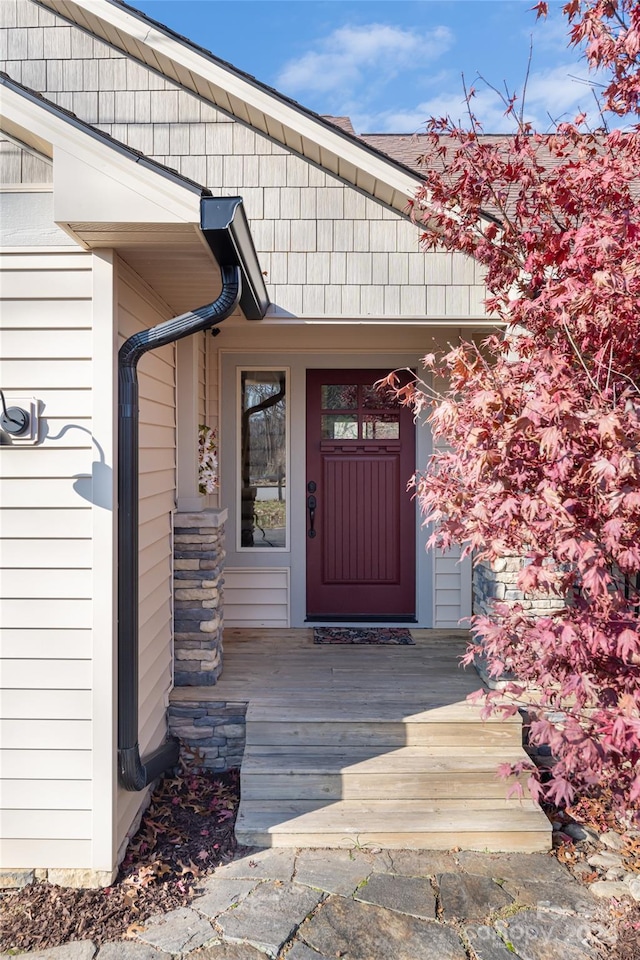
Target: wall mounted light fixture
[{"x": 18, "y": 421}]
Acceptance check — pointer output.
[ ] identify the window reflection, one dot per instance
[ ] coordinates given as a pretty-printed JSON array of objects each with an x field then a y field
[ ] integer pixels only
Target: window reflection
[
  {"x": 339, "y": 396},
  {"x": 380, "y": 426},
  {"x": 363, "y": 423},
  {"x": 340, "y": 426},
  {"x": 263, "y": 467},
  {"x": 378, "y": 399}
]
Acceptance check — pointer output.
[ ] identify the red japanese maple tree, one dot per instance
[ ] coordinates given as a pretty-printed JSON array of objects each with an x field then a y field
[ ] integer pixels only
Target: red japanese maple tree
[{"x": 539, "y": 428}]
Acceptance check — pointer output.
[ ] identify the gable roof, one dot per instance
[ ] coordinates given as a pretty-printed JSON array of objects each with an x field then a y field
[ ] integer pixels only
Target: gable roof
[
  {"x": 410, "y": 148},
  {"x": 35, "y": 97},
  {"x": 109, "y": 195},
  {"x": 325, "y": 141}
]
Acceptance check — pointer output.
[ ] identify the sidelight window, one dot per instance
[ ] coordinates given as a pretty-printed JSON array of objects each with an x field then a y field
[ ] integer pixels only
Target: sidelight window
[{"x": 263, "y": 465}]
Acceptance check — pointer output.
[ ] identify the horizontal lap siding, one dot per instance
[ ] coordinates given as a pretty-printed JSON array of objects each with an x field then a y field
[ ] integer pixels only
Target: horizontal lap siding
[
  {"x": 138, "y": 308},
  {"x": 257, "y": 597},
  {"x": 60, "y": 853},
  {"x": 448, "y": 589},
  {"x": 45, "y": 564},
  {"x": 452, "y": 589}
]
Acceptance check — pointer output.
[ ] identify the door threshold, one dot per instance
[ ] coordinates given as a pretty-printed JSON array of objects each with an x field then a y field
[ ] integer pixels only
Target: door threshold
[{"x": 364, "y": 620}]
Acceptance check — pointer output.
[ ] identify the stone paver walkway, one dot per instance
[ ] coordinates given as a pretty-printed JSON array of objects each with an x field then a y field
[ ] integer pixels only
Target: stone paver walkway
[{"x": 372, "y": 905}]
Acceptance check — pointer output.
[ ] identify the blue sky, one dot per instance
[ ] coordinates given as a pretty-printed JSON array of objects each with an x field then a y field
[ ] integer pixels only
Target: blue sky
[{"x": 391, "y": 65}]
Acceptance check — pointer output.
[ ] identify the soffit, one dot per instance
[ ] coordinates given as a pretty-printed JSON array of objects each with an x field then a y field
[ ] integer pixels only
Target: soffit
[
  {"x": 19, "y": 133},
  {"x": 171, "y": 258}
]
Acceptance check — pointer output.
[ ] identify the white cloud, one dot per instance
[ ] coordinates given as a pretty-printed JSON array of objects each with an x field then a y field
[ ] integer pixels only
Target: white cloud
[
  {"x": 352, "y": 70},
  {"x": 557, "y": 93},
  {"x": 486, "y": 106},
  {"x": 550, "y": 34},
  {"x": 560, "y": 91},
  {"x": 353, "y": 55}
]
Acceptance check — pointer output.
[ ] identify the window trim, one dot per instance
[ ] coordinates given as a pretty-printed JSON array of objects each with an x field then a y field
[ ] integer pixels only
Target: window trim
[{"x": 258, "y": 368}]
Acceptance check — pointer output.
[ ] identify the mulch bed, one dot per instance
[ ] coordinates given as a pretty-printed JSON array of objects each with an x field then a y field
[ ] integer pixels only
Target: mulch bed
[
  {"x": 597, "y": 813},
  {"x": 628, "y": 926},
  {"x": 185, "y": 833}
]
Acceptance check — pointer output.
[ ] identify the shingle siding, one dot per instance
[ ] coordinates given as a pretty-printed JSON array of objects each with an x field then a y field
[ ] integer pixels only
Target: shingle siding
[
  {"x": 295, "y": 208},
  {"x": 18, "y": 164}
]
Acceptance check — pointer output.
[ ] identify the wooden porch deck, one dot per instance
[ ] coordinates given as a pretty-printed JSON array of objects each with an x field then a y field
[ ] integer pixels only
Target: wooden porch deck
[
  {"x": 356, "y": 744},
  {"x": 265, "y": 663}
]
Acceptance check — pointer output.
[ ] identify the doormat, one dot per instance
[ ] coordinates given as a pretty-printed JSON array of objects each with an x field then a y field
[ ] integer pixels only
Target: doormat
[{"x": 375, "y": 635}]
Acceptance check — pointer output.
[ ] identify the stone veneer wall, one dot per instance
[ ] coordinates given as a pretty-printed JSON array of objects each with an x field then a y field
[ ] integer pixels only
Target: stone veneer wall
[
  {"x": 198, "y": 549},
  {"x": 498, "y": 581},
  {"x": 211, "y": 732}
]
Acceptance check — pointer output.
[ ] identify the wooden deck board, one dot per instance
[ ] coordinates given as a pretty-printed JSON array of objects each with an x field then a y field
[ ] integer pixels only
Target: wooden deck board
[
  {"x": 341, "y": 773},
  {"x": 426, "y": 710},
  {"x": 267, "y": 664},
  {"x": 354, "y": 757},
  {"x": 407, "y": 815}
]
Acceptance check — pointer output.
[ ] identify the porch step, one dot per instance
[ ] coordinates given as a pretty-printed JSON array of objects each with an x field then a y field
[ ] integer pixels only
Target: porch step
[
  {"x": 395, "y": 824},
  {"x": 384, "y": 724},
  {"x": 351, "y": 771},
  {"x": 408, "y": 773}
]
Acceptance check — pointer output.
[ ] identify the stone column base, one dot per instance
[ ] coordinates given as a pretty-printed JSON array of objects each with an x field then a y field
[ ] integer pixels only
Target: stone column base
[
  {"x": 198, "y": 550},
  {"x": 211, "y": 733}
]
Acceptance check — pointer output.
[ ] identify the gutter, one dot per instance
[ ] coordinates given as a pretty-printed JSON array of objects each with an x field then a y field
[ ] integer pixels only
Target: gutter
[{"x": 225, "y": 228}]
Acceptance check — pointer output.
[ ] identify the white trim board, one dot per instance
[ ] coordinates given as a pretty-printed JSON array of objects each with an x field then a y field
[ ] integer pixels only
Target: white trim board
[{"x": 144, "y": 195}]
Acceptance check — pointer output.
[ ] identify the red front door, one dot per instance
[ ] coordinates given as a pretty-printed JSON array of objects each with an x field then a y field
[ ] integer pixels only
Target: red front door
[{"x": 360, "y": 519}]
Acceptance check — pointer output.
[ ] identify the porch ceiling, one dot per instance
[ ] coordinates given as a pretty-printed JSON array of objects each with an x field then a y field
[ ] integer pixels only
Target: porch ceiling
[{"x": 172, "y": 258}]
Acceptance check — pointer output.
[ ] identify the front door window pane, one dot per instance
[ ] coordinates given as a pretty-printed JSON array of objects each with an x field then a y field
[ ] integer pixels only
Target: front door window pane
[
  {"x": 378, "y": 398},
  {"x": 380, "y": 426},
  {"x": 340, "y": 426},
  {"x": 263, "y": 459},
  {"x": 339, "y": 396}
]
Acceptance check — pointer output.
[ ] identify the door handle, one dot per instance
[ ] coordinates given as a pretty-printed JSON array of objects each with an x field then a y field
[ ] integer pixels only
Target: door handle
[{"x": 311, "y": 506}]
